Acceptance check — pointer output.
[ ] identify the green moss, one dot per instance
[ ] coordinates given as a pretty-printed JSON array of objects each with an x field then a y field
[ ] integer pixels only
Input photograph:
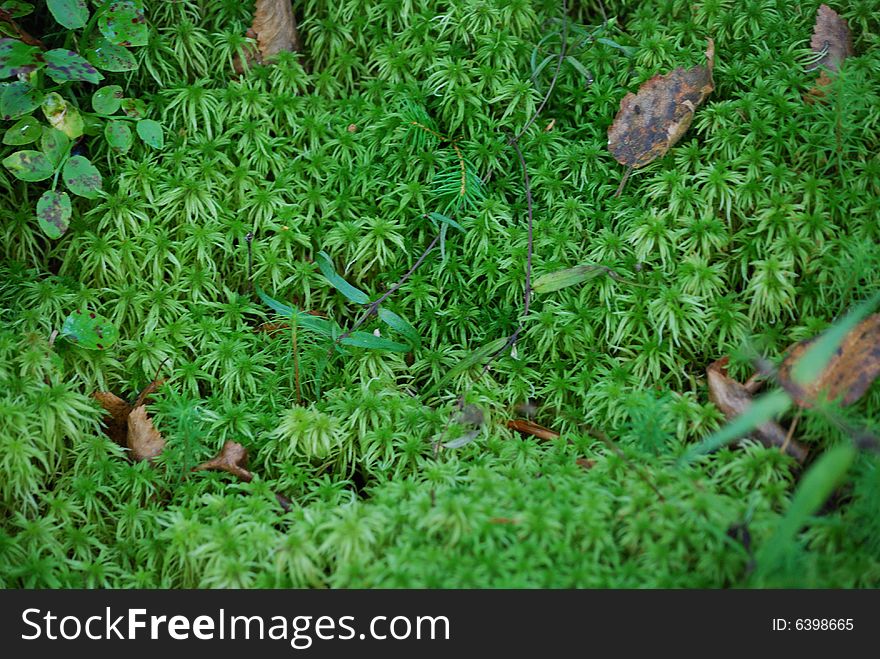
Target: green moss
[{"x": 761, "y": 225}]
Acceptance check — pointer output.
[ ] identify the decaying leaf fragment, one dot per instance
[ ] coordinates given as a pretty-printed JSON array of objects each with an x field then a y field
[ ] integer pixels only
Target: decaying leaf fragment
[
  {"x": 275, "y": 27},
  {"x": 733, "y": 398},
  {"x": 527, "y": 427},
  {"x": 232, "y": 459},
  {"x": 831, "y": 39},
  {"x": 651, "y": 121},
  {"x": 143, "y": 440},
  {"x": 116, "y": 423},
  {"x": 851, "y": 371}
]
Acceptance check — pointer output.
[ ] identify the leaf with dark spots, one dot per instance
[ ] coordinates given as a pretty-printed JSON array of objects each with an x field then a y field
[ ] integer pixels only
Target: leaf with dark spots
[
  {"x": 124, "y": 23},
  {"x": 17, "y": 57},
  {"x": 53, "y": 213},
  {"x": 734, "y": 399},
  {"x": 72, "y": 14},
  {"x": 54, "y": 144},
  {"x": 852, "y": 369},
  {"x": 29, "y": 166},
  {"x": 118, "y": 136},
  {"x": 66, "y": 66},
  {"x": 107, "y": 100},
  {"x": 231, "y": 459},
  {"x": 111, "y": 57},
  {"x": 19, "y": 98},
  {"x": 831, "y": 40},
  {"x": 134, "y": 107},
  {"x": 24, "y": 131},
  {"x": 89, "y": 330},
  {"x": 81, "y": 177},
  {"x": 651, "y": 121},
  {"x": 17, "y": 8}
]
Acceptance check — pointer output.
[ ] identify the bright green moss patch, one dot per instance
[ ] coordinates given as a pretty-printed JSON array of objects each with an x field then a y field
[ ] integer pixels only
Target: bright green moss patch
[{"x": 760, "y": 226}]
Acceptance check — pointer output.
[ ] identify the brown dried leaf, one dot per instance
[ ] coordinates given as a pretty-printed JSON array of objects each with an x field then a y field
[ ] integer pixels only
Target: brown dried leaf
[
  {"x": 275, "y": 27},
  {"x": 233, "y": 459},
  {"x": 585, "y": 463},
  {"x": 655, "y": 118},
  {"x": 832, "y": 37},
  {"x": 143, "y": 439},
  {"x": 148, "y": 391},
  {"x": 531, "y": 428},
  {"x": 732, "y": 398},
  {"x": 116, "y": 423},
  {"x": 848, "y": 375}
]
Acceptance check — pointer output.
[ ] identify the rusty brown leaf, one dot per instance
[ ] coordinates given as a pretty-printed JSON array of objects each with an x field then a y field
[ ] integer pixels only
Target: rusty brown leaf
[
  {"x": 531, "y": 428},
  {"x": 143, "y": 440},
  {"x": 733, "y": 398},
  {"x": 232, "y": 459},
  {"x": 116, "y": 421},
  {"x": 275, "y": 27},
  {"x": 651, "y": 121},
  {"x": 851, "y": 371},
  {"x": 831, "y": 38}
]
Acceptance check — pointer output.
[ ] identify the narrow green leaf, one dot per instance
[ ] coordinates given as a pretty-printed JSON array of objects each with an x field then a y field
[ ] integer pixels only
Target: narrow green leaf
[
  {"x": 65, "y": 66},
  {"x": 373, "y": 342},
  {"x": 478, "y": 356},
  {"x": 72, "y": 14},
  {"x": 150, "y": 132},
  {"x": 54, "y": 144},
  {"x": 16, "y": 8},
  {"x": 124, "y": 24},
  {"x": 554, "y": 281},
  {"x": 24, "y": 131},
  {"x": 29, "y": 166},
  {"x": 761, "y": 411},
  {"x": 81, "y": 177},
  {"x": 326, "y": 266},
  {"x": 398, "y": 324},
  {"x": 814, "y": 489},
  {"x": 304, "y": 320},
  {"x": 107, "y": 100},
  {"x": 19, "y": 98},
  {"x": 89, "y": 330},
  {"x": 439, "y": 217},
  {"x": 118, "y": 136},
  {"x": 53, "y": 213}
]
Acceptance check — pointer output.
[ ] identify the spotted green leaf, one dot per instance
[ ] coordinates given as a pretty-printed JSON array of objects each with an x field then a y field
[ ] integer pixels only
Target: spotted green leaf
[
  {"x": 89, "y": 330},
  {"x": 71, "y": 14},
  {"x": 63, "y": 116},
  {"x": 24, "y": 131},
  {"x": 134, "y": 107},
  {"x": 107, "y": 99},
  {"x": 16, "y": 8},
  {"x": 19, "y": 98},
  {"x": 29, "y": 166},
  {"x": 111, "y": 57},
  {"x": 65, "y": 66},
  {"x": 54, "y": 144},
  {"x": 151, "y": 133},
  {"x": 124, "y": 24},
  {"x": 53, "y": 213},
  {"x": 81, "y": 177},
  {"x": 17, "y": 57},
  {"x": 118, "y": 136}
]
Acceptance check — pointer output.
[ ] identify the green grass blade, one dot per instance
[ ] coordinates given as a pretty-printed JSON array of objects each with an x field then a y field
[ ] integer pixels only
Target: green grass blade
[{"x": 354, "y": 294}]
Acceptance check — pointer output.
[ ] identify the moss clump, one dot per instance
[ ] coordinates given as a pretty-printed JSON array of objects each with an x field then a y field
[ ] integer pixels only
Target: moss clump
[{"x": 761, "y": 225}]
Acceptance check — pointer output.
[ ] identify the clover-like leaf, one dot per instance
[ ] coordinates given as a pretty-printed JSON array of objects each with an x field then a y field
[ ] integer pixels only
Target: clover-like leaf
[
  {"x": 124, "y": 24},
  {"x": 89, "y": 330},
  {"x": 118, "y": 136},
  {"x": 54, "y": 144},
  {"x": 17, "y": 8},
  {"x": 72, "y": 14},
  {"x": 65, "y": 66},
  {"x": 17, "y": 57},
  {"x": 63, "y": 116},
  {"x": 134, "y": 108},
  {"x": 26, "y": 130},
  {"x": 81, "y": 177},
  {"x": 29, "y": 166},
  {"x": 150, "y": 132},
  {"x": 107, "y": 100},
  {"x": 53, "y": 213},
  {"x": 111, "y": 57},
  {"x": 19, "y": 98}
]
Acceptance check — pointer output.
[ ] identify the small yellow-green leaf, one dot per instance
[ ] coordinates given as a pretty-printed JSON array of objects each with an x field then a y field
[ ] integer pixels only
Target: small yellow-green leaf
[
  {"x": 63, "y": 116},
  {"x": 24, "y": 131},
  {"x": 29, "y": 166},
  {"x": 554, "y": 281}
]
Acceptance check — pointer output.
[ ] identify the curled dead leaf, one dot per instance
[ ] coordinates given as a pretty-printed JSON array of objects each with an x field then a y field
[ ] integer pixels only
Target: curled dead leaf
[
  {"x": 531, "y": 428},
  {"x": 232, "y": 459},
  {"x": 852, "y": 369},
  {"x": 652, "y": 120},
  {"x": 116, "y": 421},
  {"x": 275, "y": 28},
  {"x": 733, "y": 398},
  {"x": 831, "y": 39},
  {"x": 143, "y": 440}
]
